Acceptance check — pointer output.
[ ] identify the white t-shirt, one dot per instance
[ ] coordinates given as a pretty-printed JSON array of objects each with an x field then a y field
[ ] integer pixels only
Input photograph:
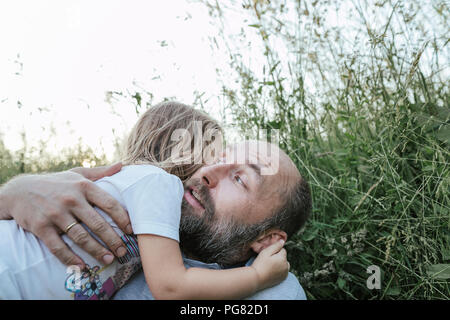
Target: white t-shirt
[{"x": 28, "y": 270}]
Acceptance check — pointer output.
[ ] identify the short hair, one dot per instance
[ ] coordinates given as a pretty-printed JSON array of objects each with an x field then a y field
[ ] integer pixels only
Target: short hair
[{"x": 294, "y": 211}]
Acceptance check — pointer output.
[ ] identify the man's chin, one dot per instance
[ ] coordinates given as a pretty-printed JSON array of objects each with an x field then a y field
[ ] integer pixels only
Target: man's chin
[
  {"x": 206, "y": 216},
  {"x": 210, "y": 243}
]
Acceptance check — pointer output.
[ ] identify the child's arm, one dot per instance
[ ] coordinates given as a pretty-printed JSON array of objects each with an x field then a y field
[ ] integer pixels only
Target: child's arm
[{"x": 168, "y": 278}]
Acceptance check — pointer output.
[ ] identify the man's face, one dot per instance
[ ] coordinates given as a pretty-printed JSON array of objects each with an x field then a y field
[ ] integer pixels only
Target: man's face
[{"x": 224, "y": 203}]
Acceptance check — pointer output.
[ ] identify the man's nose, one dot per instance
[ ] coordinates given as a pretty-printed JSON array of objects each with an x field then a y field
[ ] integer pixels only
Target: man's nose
[{"x": 211, "y": 175}]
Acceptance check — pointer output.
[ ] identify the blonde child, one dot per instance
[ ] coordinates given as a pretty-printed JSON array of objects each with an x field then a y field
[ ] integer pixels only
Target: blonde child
[{"x": 167, "y": 145}]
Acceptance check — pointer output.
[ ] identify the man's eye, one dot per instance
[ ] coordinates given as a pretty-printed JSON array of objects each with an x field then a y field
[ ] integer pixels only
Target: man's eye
[{"x": 239, "y": 180}]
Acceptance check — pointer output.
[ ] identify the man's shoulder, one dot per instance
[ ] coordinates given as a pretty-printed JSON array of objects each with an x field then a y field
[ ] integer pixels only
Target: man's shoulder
[{"x": 288, "y": 289}]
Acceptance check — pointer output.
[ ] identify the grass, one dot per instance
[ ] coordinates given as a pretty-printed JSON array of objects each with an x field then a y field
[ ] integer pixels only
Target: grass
[
  {"x": 366, "y": 120},
  {"x": 363, "y": 110},
  {"x": 39, "y": 160}
]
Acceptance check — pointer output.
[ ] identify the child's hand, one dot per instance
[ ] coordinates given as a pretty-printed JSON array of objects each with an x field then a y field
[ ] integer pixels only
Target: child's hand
[{"x": 271, "y": 265}]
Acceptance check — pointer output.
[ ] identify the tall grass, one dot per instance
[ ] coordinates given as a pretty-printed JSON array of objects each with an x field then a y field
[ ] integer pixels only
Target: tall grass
[
  {"x": 363, "y": 110},
  {"x": 37, "y": 159}
]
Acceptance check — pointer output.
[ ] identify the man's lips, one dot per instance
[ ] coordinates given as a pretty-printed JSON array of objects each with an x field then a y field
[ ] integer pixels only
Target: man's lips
[{"x": 192, "y": 200}]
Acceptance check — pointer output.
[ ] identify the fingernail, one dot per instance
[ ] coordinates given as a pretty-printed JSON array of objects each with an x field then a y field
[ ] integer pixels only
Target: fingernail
[
  {"x": 108, "y": 258},
  {"x": 121, "y": 251},
  {"x": 129, "y": 229}
]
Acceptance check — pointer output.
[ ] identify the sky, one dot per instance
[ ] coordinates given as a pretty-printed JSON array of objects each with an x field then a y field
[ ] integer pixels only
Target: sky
[{"x": 58, "y": 58}]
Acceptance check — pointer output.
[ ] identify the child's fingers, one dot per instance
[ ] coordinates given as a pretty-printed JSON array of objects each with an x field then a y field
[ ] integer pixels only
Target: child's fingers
[
  {"x": 273, "y": 248},
  {"x": 282, "y": 254}
]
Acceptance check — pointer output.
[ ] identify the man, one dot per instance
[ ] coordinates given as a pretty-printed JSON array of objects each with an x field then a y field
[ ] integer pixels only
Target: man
[{"x": 230, "y": 211}]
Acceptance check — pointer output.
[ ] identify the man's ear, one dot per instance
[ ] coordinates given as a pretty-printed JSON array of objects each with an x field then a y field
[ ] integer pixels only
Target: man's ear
[{"x": 268, "y": 238}]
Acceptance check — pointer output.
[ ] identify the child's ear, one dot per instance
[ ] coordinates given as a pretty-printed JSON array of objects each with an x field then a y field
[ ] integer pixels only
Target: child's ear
[{"x": 268, "y": 238}]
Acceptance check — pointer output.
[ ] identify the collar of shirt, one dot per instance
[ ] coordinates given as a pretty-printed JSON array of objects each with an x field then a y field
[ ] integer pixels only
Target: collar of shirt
[{"x": 195, "y": 263}]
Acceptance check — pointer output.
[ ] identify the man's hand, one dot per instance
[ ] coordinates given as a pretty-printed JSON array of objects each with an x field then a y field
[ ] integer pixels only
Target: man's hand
[{"x": 46, "y": 204}]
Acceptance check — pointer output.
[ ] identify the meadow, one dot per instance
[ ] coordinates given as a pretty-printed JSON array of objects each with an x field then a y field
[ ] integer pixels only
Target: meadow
[{"x": 364, "y": 112}]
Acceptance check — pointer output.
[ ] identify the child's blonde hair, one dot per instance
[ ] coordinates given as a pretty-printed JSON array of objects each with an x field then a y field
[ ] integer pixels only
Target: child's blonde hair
[{"x": 167, "y": 135}]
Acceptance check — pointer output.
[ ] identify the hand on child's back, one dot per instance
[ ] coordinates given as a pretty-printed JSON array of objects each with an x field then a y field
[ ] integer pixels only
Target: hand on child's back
[{"x": 271, "y": 265}]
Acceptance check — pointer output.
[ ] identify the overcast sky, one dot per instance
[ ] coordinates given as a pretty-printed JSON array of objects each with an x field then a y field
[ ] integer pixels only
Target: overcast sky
[
  {"x": 58, "y": 58},
  {"x": 64, "y": 55}
]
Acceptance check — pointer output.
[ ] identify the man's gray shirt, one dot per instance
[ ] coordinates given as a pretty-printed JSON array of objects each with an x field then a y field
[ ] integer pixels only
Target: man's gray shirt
[{"x": 288, "y": 289}]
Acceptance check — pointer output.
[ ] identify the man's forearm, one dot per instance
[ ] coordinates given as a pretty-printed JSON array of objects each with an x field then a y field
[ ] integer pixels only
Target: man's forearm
[
  {"x": 4, "y": 212},
  {"x": 46, "y": 204},
  {"x": 11, "y": 193}
]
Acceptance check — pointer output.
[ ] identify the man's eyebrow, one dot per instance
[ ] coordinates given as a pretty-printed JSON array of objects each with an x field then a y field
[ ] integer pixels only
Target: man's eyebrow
[{"x": 257, "y": 169}]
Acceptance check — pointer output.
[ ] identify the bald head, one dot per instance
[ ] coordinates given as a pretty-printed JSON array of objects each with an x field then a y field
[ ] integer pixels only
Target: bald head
[
  {"x": 278, "y": 171},
  {"x": 253, "y": 188},
  {"x": 293, "y": 197}
]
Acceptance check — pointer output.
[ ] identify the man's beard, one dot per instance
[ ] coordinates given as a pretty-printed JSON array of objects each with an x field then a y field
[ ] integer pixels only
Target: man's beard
[{"x": 208, "y": 239}]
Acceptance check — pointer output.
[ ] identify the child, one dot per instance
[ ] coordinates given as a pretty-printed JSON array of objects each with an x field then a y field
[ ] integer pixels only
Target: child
[{"x": 163, "y": 149}]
